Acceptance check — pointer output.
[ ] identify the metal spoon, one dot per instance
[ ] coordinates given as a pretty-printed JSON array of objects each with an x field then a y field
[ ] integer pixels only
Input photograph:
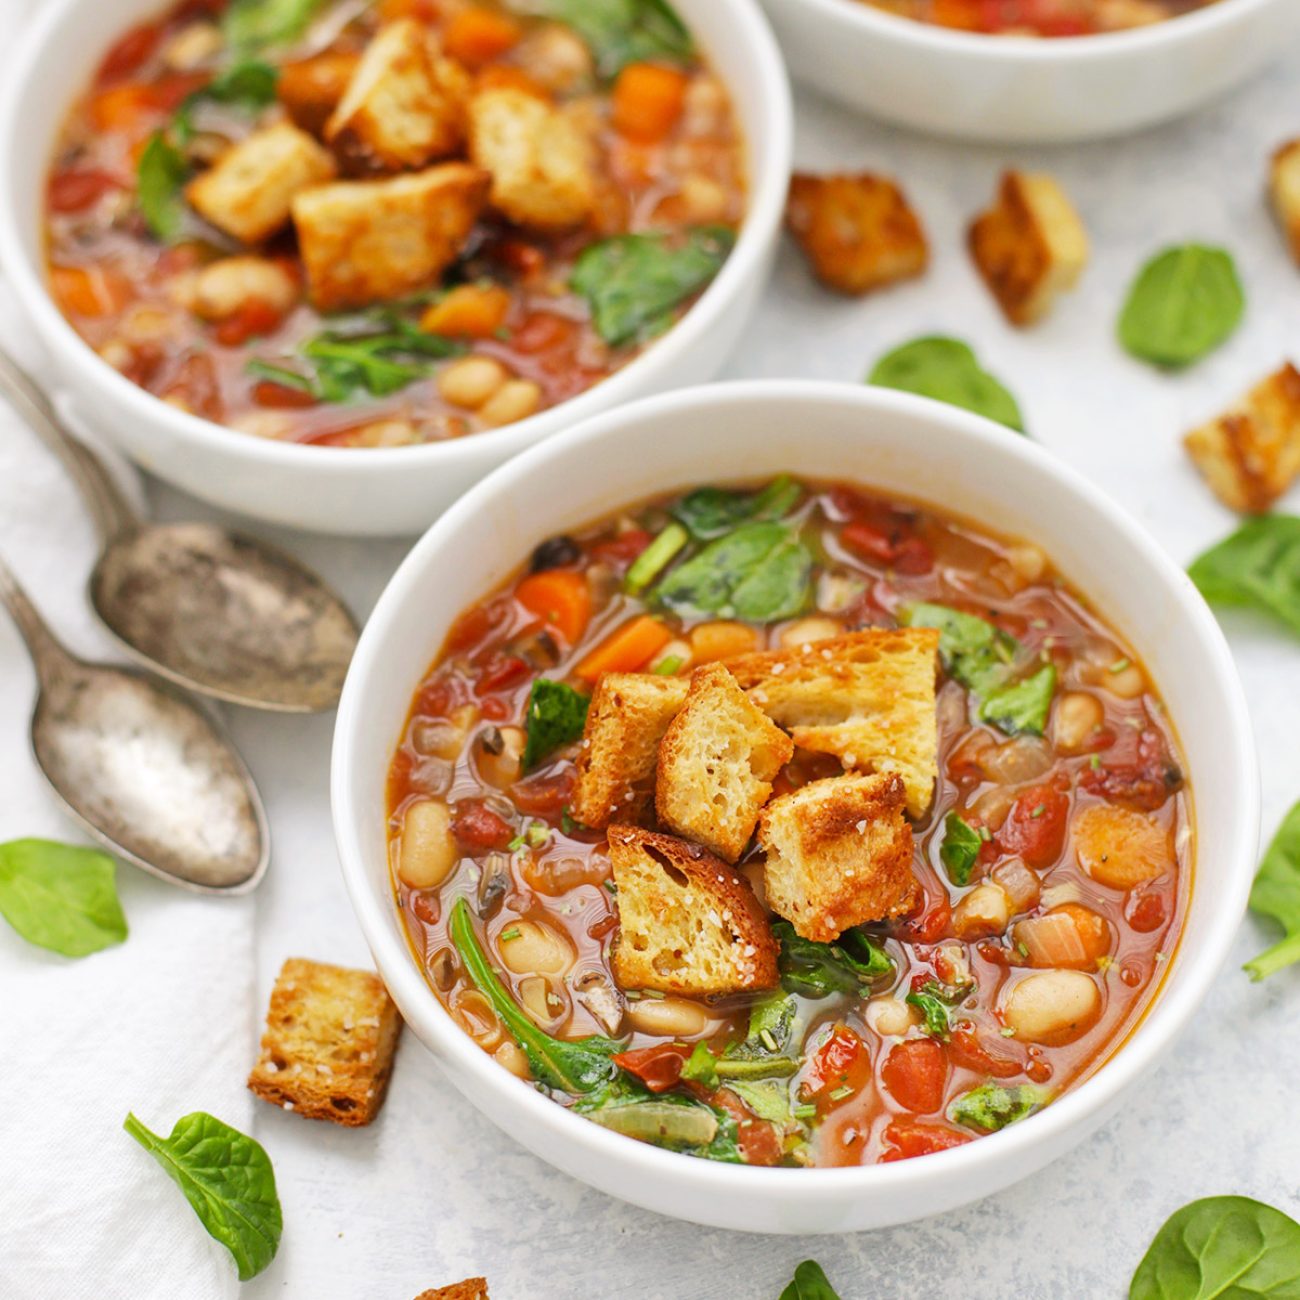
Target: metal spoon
[
  {"x": 209, "y": 609},
  {"x": 141, "y": 766}
]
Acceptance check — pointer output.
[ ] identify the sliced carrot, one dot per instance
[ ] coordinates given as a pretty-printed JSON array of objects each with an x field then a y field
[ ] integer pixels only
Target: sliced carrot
[
  {"x": 126, "y": 109},
  {"x": 89, "y": 290},
  {"x": 710, "y": 641},
  {"x": 560, "y": 598},
  {"x": 470, "y": 311},
  {"x": 648, "y": 101},
  {"x": 477, "y": 36},
  {"x": 628, "y": 649},
  {"x": 423, "y": 11}
]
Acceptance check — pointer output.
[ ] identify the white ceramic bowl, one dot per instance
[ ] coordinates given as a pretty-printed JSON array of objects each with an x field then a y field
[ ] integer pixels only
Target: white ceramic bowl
[
  {"x": 369, "y": 492},
  {"x": 1022, "y": 89},
  {"x": 899, "y": 444}
]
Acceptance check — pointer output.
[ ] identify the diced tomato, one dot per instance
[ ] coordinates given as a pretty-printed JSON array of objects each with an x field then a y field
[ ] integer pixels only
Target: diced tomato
[
  {"x": 906, "y": 1138},
  {"x": 902, "y": 552},
  {"x": 544, "y": 796},
  {"x": 839, "y": 1069},
  {"x": 543, "y": 331},
  {"x": 255, "y": 317},
  {"x": 915, "y": 1074},
  {"x": 930, "y": 923},
  {"x": 966, "y": 1050},
  {"x": 623, "y": 548},
  {"x": 437, "y": 698},
  {"x": 476, "y": 827},
  {"x": 658, "y": 1067},
  {"x": 266, "y": 392},
  {"x": 1145, "y": 912},
  {"x": 759, "y": 1141},
  {"x": 473, "y": 626},
  {"x": 494, "y": 708},
  {"x": 499, "y": 672},
  {"x": 76, "y": 190},
  {"x": 1035, "y": 827},
  {"x": 1138, "y": 771},
  {"x": 130, "y": 51}
]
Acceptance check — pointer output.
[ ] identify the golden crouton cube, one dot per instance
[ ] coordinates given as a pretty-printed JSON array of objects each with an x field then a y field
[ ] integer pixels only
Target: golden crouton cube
[
  {"x": 866, "y": 697},
  {"x": 1030, "y": 247},
  {"x": 472, "y": 1288},
  {"x": 540, "y": 158},
  {"x": 626, "y": 720},
  {"x": 839, "y": 854},
  {"x": 368, "y": 241},
  {"x": 310, "y": 89},
  {"x": 717, "y": 761},
  {"x": 1284, "y": 187},
  {"x": 1250, "y": 455},
  {"x": 250, "y": 190},
  {"x": 858, "y": 232},
  {"x": 328, "y": 1048},
  {"x": 398, "y": 111},
  {"x": 688, "y": 923}
]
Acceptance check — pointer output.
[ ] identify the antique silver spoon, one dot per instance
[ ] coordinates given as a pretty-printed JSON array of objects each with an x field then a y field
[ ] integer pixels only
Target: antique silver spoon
[
  {"x": 207, "y": 608},
  {"x": 141, "y": 766}
]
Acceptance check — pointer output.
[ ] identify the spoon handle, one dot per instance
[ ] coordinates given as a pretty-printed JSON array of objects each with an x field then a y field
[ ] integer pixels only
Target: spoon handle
[
  {"x": 48, "y": 655},
  {"x": 113, "y": 514}
]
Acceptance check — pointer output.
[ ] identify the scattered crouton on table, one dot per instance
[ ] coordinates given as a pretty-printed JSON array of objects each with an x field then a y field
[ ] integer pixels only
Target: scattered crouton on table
[
  {"x": 688, "y": 923},
  {"x": 1284, "y": 188},
  {"x": 472, "y": 1288}
]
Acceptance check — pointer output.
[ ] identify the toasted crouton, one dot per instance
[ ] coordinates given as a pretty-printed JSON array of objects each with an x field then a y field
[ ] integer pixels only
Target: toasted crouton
[
  {"x": 858, "y": 231},
  {"x": 403, "y": 107},
  {"x": 717, "y": 762},
  {"x": 366, "y": 241},
  {"x": 472, "y": 1288},
  {"x": 250, "y": 190},
  {"x": 310, "y": 89},
  {"x": 866, "y": 697},
  {"x": 626, "y": 720},
  {"x": 1250, "y": 455},
  {"x": 328, "y": 1047},
  {"x": 1284, "y": 188},
  {"x": 539, "y": 156},
  {"x": 1030, "y": 246},
  {"x": 687, "y": 922},
  {"x": 839, "y": 854}
]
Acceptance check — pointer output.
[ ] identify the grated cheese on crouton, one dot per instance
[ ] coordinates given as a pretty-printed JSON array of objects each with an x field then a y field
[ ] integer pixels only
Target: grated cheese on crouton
[
  {"x": 328, "y": 1047},
  {"x": 1284, "y": 189},
  {"x": 472, "y": 1288},
  {"x": 367, "y": 241},
  {"x": 626, "y": 720},
  {"x": 687, "y": 922},
  {"x": 839, "y": 854},
  {"x": 1030, "y": 246},
  {"x": 717, "y": 762},
  {"x": 1250, "y": 454},
  {"x": 250, "y": 190},
  {"x": 539, "y": 156},
  {"x": 310, "y": 89},
  {"x": 858, "y": 232},
  {"x": 866, "y": 697}
]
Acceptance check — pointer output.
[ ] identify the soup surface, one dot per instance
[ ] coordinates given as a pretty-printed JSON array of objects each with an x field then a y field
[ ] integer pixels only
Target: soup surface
[
  {"x": 366, "y": 225},
  {"x": 1040, "y": 17},
  {"x": 863, "y": 986}
]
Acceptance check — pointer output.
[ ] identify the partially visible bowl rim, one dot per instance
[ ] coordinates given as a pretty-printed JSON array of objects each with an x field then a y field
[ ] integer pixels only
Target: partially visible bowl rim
[
  {"x": 1137, "y": 1052},
  {"x": 771, "y": 139}
]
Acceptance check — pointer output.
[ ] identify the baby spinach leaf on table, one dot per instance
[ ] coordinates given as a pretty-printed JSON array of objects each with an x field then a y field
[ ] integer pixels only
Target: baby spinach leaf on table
[
  {"x": 554, "y": 716},
  {"x": 1021, "y": 708},
  {"x": 1276, "y": 893},
  {"x": 819, "y": 969},
  {"x": 810, "y": 1283},
  {"x": 709, "y": 512},
  {"x": 258, "y": 24},
  {"x": 160, "y": 176},
  {"x": 577, "y": 1066},
  {"x": 1183, "y": 304},
  {"x": 993, "y": 1106},
  {"x": 227, "y": 1178},
  {"x": 1258, "y": 565},
  {"x": 960, "y": 848},
  {"x": 633, "y": 282},
  {"x": 1230, "y": 1247},
  {"x": 670, "y": 1120},
  {"x": 946, "y": 370},
  {"x": 60, "y": 896},
  {"x": 619, "y": 32}
]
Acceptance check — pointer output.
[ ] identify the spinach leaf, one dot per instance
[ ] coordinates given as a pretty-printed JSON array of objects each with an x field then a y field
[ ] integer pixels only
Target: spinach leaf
[
  {"x": 1184, "y": 303},
  {"x": 671, "y": 1120},
  {"x": 60, "y": 896},
  {"x": 655, "y": 558},
  {"x": 632, "y": 283},
  {"x": 759, "y": 572},
  {"x": 1021, "y": 708},
  {"x": 710, "y": 512},
  {"x": 619, "y": 32},
  {"x": 819, "y": 969},
  {"x": 933, "y": 1001},
  {"x": 555, "y": 715},
  {"x": 579, "y": 1065},
  {"x": 974, "y": 652},
  {"x": 701, "y": 1067},
  {"x": 1276, "y": 893},
  {"x": 960, "y": 848},
  {"x": 249, "y": 84},
  {"x": 769, "y": 1101},
  {"x": 227, "y": 1177},
  {"x": 257, "y": 24},
  {"x": 160, "y": 176},
  {"x": 993, "y": 1106},
  {"x": 778, "y": 587},
  {"x": 1226, "y": 1246},
  {"x": 771, "y": 1022},
  {"x": 810, "y": 1283},
  {"x": 1258, "y": 565},
  {"x": 947, "y": 370}
]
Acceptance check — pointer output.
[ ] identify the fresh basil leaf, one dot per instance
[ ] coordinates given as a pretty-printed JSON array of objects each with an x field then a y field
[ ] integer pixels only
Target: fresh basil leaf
[
  {"x": 819, "y": 969},
  {"x": 1226, "y": 1246},
  {"x": 670, "y": 1120},
  {"x": 779, "y": 586},
  {"x": 619, "y": 32},
  {"x": 1021, "y": 708},
  {"x": 1258, "y": 565},
  {"x": 960, "y": 849},
  {"x": 947, "y": 370},
  {"x": 709, "y": 512},
  {"x": 810, "y": 1283},
  {"x": 227, "y": 1177},
  {"x": 160, "y": 178},
  {"x": 259, "y": 24},
  {"x": 974, "y": 652},
  {"x": 700, "y": 1067},
  {"x": 632, "y": 283},
  {"x": 1276, "y": 893},
  {"x": 1184, "y": 303},
  {"x": 993, "y": 1106},
  {"x": 555, "y": 715},
  {"x": 61, "y": 896}
]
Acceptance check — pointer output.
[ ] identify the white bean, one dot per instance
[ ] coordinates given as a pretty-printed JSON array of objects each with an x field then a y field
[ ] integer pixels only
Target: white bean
[
  {"x": 516, "y": 399},
  {"x": 985, "y": 911},
  {"x": 808, "y": 630},
  {"x": 502, "y": 766},
  {"x": 531, "y": 948},
  {"x": 1077, "y": 718},
  {"x": 891, "y": 1017},
  {"x": 510, "y": 1055},
  {"x": 668, "y": 1017},
  {"x": 428, "y": 849},
  {"x": 470, "y": 381},
  {"x": 1052, "y": 1007}
]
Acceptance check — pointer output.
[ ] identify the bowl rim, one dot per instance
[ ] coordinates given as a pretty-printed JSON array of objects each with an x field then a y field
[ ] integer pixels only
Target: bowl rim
[
  {"x": 1090, "y": 1098},
  {"x": 1036, "y": 51},
  {"x": 769, "y": 142}
]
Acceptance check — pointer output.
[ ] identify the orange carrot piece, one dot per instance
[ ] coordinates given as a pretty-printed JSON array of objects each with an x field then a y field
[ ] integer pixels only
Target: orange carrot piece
[
  {"x": 88, "y": 290},
  {"x": 477, "y": 36},
  {"x": 469, "y": 311},
  {"x": 560, "y": 598},
  {"x": 628, "y": 649},
  {"x": 648, "y": 101}
]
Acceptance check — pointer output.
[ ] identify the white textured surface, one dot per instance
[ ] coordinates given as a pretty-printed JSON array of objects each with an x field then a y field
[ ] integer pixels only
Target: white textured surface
[{"x": 432, "y": 1192}]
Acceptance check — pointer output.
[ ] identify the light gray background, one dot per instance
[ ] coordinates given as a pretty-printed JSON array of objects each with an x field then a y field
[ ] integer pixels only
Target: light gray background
[{"x": 433, "y": 1192}]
